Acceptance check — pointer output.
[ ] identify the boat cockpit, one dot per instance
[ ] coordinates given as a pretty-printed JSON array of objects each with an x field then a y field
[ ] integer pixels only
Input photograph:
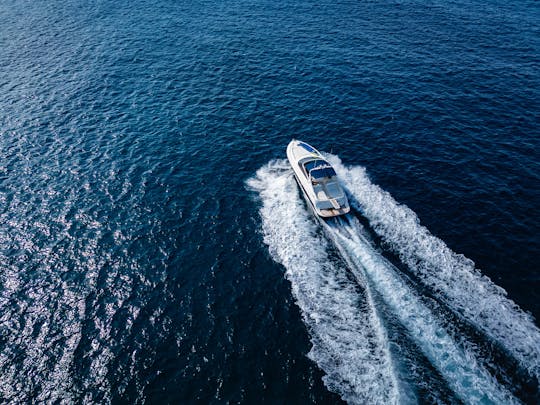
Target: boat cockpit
[{"x": 318, "y": 170}]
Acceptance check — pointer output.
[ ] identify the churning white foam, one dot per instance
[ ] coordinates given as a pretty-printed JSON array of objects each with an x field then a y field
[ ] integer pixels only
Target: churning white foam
[
  {"x": 349, "y": 342},
  {"x": 468, "y": 379},
  {"x": 451, "y": 277}
]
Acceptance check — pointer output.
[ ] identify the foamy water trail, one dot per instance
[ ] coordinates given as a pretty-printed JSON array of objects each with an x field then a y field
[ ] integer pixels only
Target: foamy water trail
[
  {"x": 468, "y": 379},
  {"x": 349, "y": 342},
  {"x": 451, "y": 277}
]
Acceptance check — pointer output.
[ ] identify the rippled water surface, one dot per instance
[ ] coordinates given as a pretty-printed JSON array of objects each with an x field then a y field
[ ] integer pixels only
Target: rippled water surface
[{"x": 155, "y": 248}]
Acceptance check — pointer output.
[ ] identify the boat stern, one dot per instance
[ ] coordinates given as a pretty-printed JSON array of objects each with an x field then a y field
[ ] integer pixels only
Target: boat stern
[{"x": 332, "y": 212}]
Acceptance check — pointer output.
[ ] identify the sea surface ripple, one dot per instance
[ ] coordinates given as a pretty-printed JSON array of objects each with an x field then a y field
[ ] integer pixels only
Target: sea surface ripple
[{"x": 137, "y": 261}]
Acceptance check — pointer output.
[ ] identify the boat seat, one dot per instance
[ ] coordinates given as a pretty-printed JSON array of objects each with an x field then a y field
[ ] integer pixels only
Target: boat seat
[{"x": 321, "y": 195}]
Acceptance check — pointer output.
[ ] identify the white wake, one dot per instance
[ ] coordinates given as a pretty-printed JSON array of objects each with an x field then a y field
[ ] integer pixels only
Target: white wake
[
  {"x": 349, "y": 342},
  {"x": 451, "y": 277},
  {"x": 468, "y": 379}
]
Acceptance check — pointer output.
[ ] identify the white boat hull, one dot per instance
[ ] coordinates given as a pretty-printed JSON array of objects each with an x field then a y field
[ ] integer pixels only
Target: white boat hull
[{"x": 318, "y": 180}]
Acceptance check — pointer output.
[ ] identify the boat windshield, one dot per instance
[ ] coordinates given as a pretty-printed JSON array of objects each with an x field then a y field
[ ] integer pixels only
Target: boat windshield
[
  {"x": 319, "y": 173},
  {"x": 319, "y": 168}
]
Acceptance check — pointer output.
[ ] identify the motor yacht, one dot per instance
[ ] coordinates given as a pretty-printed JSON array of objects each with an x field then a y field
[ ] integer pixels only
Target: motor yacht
[{"x": 317, "y": 179}]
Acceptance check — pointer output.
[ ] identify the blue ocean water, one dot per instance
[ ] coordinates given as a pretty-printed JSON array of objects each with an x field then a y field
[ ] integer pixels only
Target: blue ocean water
[{"x": 154, "y": 247}]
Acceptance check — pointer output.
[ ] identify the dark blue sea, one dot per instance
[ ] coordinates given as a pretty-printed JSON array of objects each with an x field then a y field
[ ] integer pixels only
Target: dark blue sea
[{"x": 155, "y": 248}]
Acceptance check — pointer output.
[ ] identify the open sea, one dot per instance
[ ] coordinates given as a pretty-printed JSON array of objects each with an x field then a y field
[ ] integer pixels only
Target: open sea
[{"x": 155, "y": 248}]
